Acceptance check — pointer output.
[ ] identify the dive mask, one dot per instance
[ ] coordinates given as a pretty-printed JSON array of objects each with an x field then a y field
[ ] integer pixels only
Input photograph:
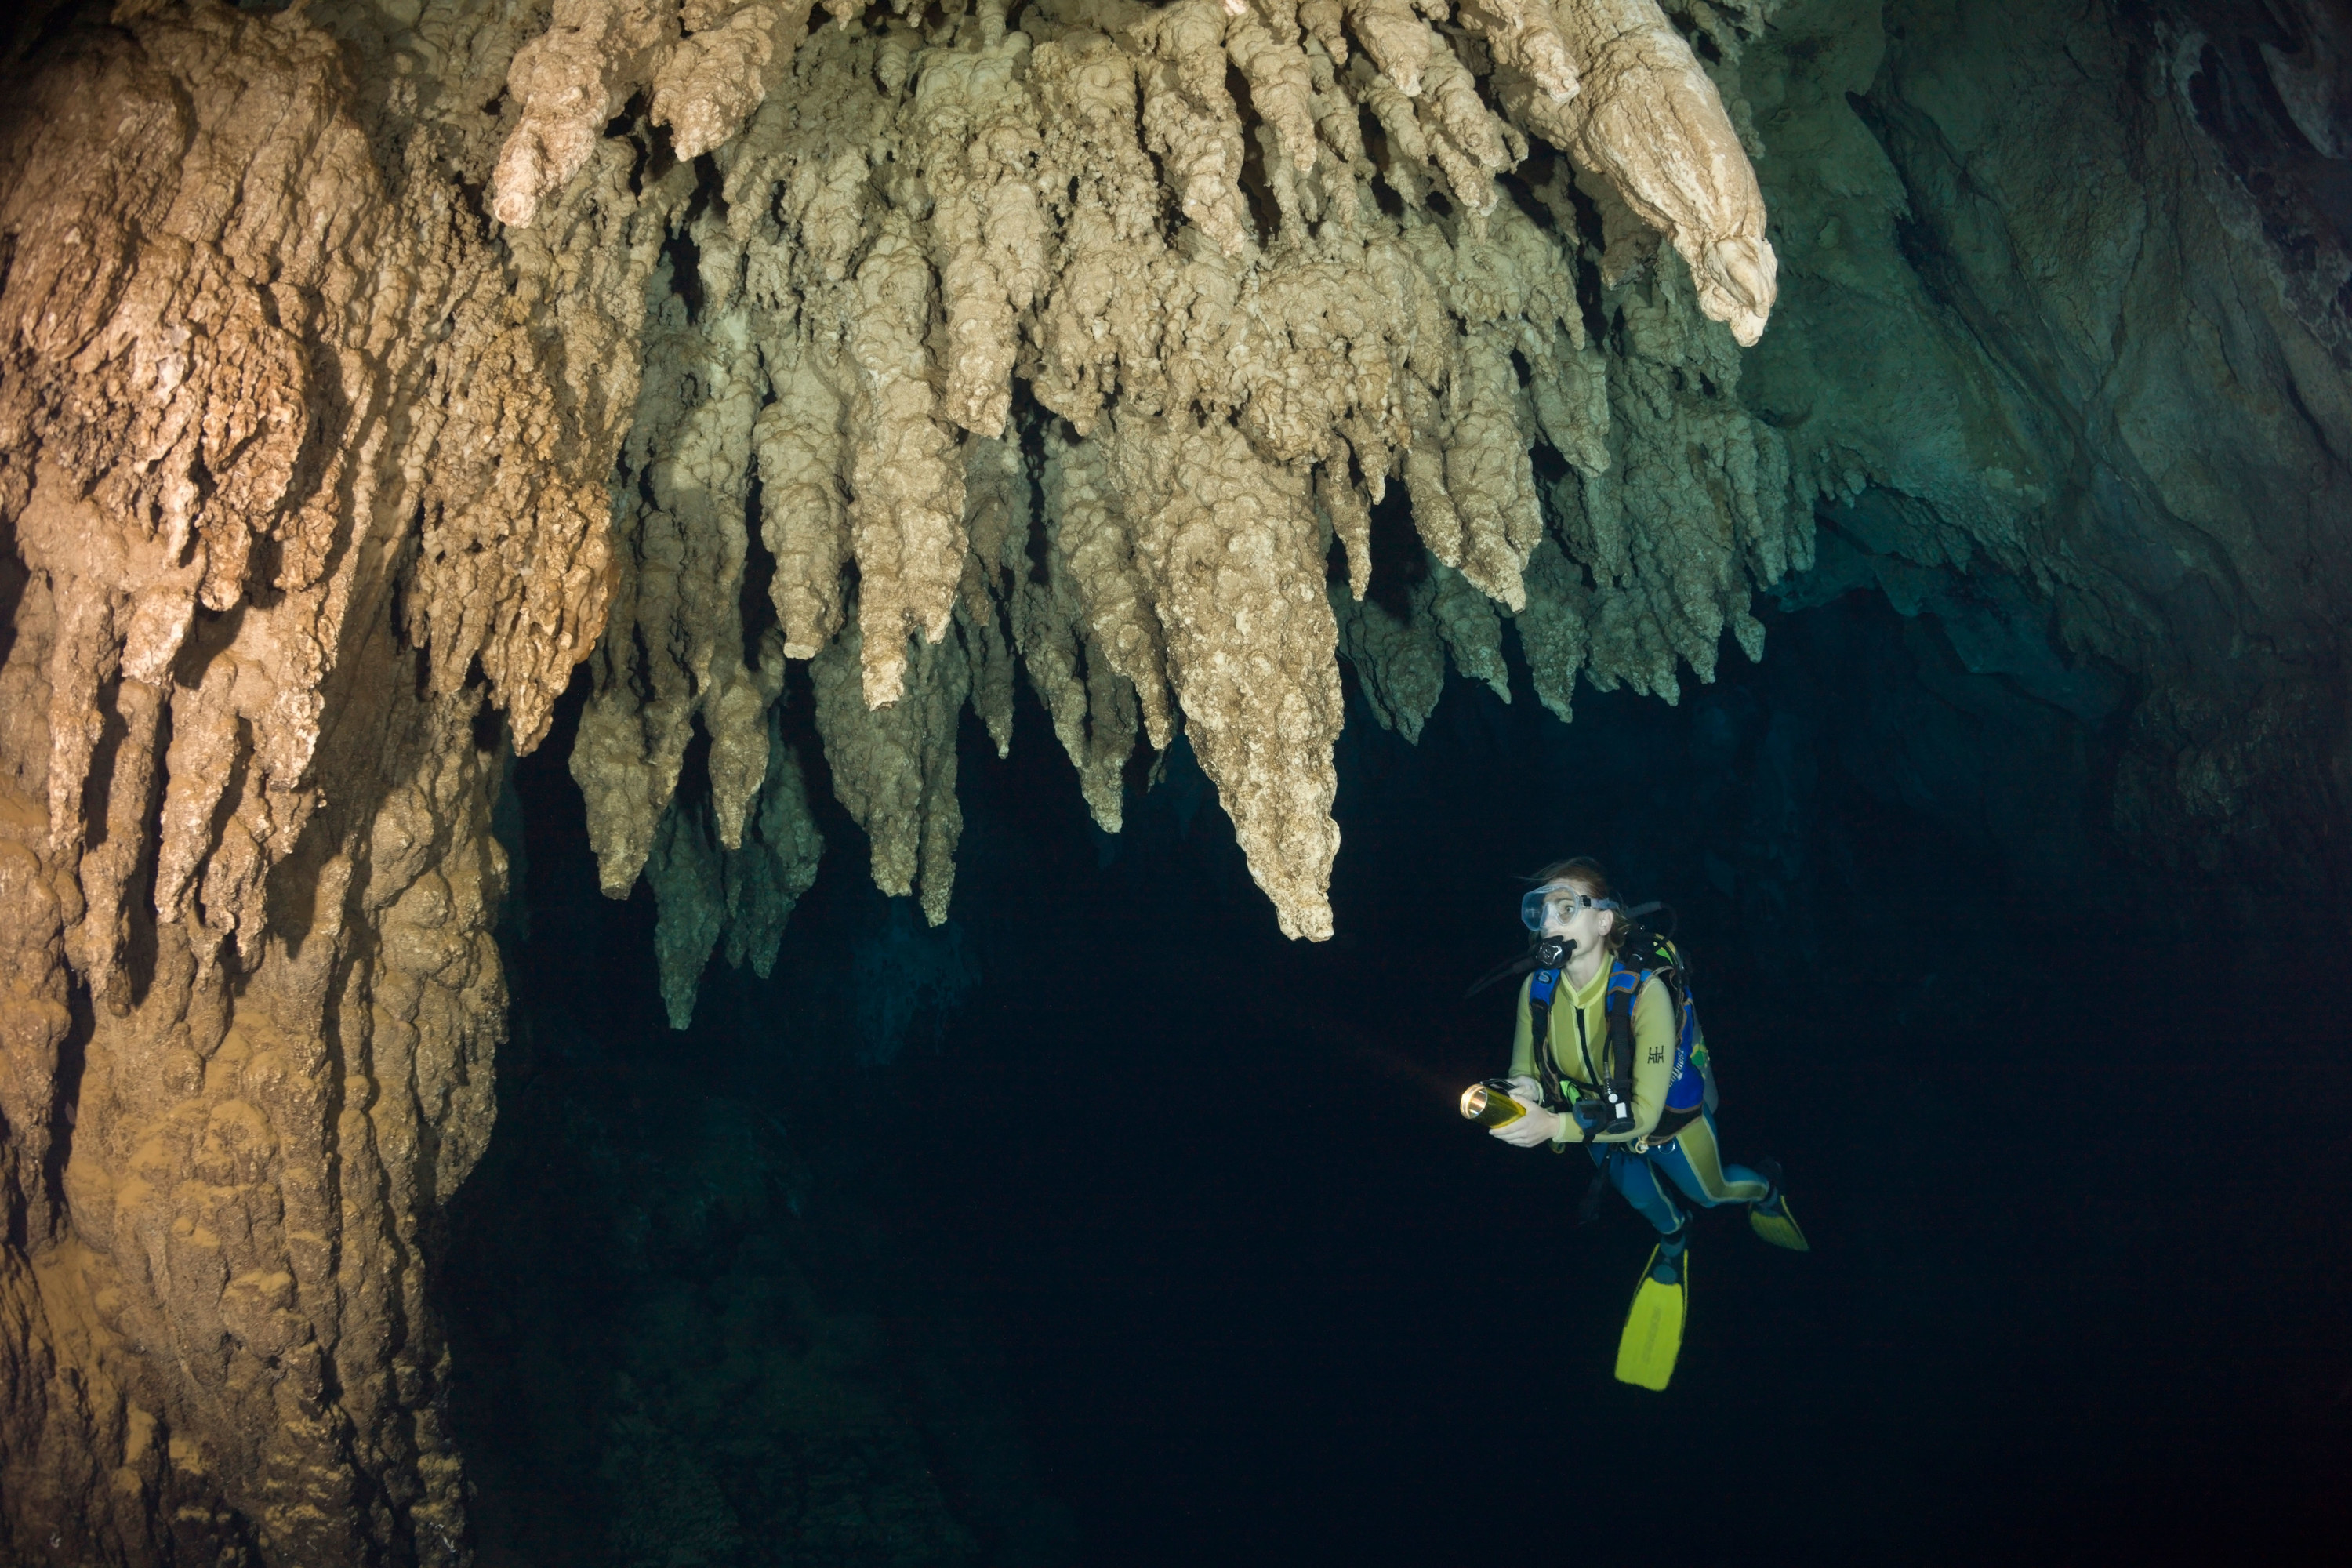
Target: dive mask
[{"x": 1560, "y": 896}]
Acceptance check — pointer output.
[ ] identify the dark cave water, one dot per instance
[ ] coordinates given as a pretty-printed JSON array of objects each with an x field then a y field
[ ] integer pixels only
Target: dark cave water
[{"x": 1105, "y": 1225}]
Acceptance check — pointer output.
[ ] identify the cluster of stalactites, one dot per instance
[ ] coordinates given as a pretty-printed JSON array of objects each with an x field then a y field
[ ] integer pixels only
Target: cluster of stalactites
[
  {"x": 240, "y": 349},
  {"x": 1075, "y": 347}
]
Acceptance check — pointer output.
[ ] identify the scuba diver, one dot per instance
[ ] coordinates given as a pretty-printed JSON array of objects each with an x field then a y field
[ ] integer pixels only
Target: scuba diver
[{"x": 1623, "y": 1072}]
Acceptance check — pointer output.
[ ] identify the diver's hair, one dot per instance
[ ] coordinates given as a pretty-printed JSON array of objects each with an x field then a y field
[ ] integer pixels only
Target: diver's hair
[{"x": 1584, "y": 874}]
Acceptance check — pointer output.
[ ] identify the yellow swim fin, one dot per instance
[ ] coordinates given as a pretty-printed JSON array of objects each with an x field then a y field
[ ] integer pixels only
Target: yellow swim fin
[
  {"x": 1770, "y": 1217},
  {"x": 1779, "y": 1229},
  {"x": 1653, "y": 1328}
]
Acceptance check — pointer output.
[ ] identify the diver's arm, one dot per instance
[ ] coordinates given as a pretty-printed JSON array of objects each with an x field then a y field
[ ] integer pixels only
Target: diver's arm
[
  {"x": 1523, "y": 1050},
  {"x": 1565, "y": 1128},
  {"x": 1654, "y": 1059},
  {"x": 1538, "y": 1125}
]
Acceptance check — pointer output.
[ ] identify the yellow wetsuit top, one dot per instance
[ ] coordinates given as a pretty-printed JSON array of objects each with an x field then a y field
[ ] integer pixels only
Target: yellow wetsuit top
[{"x": 1654, "y": 1046}]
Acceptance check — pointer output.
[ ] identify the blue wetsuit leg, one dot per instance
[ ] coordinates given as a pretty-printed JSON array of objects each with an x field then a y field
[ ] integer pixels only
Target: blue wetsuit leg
[
  {"x": 1630, "y": 1174},
  {"x": 1694, "y": 1162}
]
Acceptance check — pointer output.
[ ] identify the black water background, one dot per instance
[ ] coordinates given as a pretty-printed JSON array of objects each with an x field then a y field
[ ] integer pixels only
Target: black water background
[{"x": 1186, "y": 1205}]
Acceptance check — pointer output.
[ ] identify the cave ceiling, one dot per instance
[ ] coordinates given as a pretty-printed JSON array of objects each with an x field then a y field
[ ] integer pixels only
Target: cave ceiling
[{"x": 367, "y": 368}]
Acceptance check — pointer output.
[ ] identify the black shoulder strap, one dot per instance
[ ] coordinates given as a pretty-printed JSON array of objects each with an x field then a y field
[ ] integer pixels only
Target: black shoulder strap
[
  {"x": 1541, "y": 987},
  {"x": 1643, "y": 954}
]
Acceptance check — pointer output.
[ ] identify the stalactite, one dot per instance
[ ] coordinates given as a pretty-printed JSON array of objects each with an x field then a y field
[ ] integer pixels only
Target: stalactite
[
  {"x": 673, "y": 650},
  {"x": 777, "y": 863},
  {"x": 895, "y": 767},
  {"x": 709, "y": 892},
  {"x": 1650, "y": 121},
  {"x": 1227, "y": 543},
  {"x": 1400, "y": 661},
  {"x": 1551, "y": 629},
  {"x": 1199, "y": 283},
  {"x": 996, "y": 494},
  {"x": 683, "y": 867},
  {"x": 1466, "y": 624},
  {"x": 1092, "y": 706}
]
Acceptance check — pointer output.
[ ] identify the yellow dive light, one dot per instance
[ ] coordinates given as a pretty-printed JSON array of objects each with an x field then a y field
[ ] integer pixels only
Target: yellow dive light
[{"x": 1490, "y": 1104}]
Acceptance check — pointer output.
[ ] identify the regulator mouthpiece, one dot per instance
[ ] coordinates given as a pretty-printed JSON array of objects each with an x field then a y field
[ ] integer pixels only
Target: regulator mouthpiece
[{"x": 1490, "y": 1104}]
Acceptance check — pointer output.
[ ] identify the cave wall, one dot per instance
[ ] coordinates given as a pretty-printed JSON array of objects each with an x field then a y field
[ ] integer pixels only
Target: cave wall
[
  {"x": 2047, "y": 313},
  {"x": 271, "y": 404},
  {"x": 365, "y": 367}
]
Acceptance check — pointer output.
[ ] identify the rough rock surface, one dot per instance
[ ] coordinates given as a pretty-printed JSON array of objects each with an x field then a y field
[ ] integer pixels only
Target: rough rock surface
[
  {"x": 1133, "y": 258},
  {"x": 2068, "y": 303},
  {"x": 364, "y": 367},
  {"x": 740, "y": 893},
  {"x": 302, "y": 477}
]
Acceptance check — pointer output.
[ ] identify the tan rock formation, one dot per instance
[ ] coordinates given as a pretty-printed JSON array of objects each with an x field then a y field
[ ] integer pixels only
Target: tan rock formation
[
  {"x": 1400, "y": 661},
  {"x": 974, "y": 122},
  {"x": 1650, "y": 121},
  {"x": 675, "y": 653},
  {"x": 1468, "y": 625},
  {"x": 934, "y": 215},
  {"x": 1092, "y": 706},
  {"x": 777, "y": 863},
  {"x": 707, "y": 892},
  {"x": 364, "y": 367},
  {"x": 1091, "y": 533},
  {"x": 895, "y": 767},
  {"x": 996, "y": 498},
  {"x": 1228, "y": 542},
  {"x": 339, "y": 410},
  {"x": 1551, "y": 629},
  {"x": 298, "y": 468},
  {"x": 708, "y": 63}
]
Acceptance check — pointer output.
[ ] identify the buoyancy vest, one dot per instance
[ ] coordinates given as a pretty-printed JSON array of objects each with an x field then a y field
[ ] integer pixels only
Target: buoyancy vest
[{"x": 1641, "y": 957}]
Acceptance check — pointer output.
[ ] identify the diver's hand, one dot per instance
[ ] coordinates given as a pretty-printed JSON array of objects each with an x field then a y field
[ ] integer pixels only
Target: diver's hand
[
  {"x": 1526, "y": 1090},
  {"x": 1537, "y": 1126}
]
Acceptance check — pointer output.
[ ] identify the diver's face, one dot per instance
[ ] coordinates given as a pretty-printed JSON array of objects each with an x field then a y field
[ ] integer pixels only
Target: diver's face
[{"x": 1566, "y": 914}]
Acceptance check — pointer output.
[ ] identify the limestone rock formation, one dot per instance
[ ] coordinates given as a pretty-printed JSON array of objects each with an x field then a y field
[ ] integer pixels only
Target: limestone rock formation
[
  {"x": 2048, "y": 343},
  {"x": 710, "y": 892},
  {"x": 1144, "y": 262},
  {"x": 895, "y": 767},
  {"x": 366, "y": 366},
  {"x": 302, "y": 477},
  {"x": 708, "y": 63}
]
